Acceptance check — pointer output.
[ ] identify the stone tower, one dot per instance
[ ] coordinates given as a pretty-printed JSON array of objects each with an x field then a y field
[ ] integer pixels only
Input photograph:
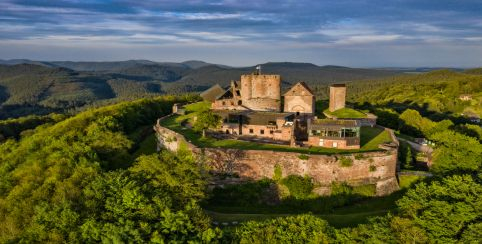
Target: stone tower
[
  {"x": 337, "y": 96},
  {"x": 261, "y": 92}
]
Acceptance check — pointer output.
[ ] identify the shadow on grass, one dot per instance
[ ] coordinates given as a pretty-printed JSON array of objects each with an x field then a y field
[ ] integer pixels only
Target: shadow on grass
[
  {"x": 248, "y": 202},
  {"x": 367, "y": 134}
]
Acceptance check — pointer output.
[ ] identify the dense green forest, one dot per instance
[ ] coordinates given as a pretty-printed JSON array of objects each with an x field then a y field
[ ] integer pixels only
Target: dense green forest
[
  {"x": 435, "y": 94},
  {"x": 36, "y": 87},
  {"x": 87, "y": 178}
]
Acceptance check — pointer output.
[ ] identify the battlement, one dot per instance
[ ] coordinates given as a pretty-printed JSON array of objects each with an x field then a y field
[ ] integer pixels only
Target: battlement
[{"x": 261, "y": 92}]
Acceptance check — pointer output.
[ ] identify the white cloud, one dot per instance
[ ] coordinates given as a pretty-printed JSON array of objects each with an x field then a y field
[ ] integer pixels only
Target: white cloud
[{"x": 363, "y": 39}]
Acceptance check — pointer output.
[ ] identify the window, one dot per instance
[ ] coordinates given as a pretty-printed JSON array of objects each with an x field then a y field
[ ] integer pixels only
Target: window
[
  {"x": 240, "y": 102},
  {"x": 261, "y": 132},
  {"x": 224, "y": 103},
  {"x": 251, "y": 131},
  {"x": 271, "y": 132}
]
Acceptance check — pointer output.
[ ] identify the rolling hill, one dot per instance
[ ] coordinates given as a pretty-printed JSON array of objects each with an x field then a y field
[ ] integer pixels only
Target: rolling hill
[{"x": 40, "y": 87}]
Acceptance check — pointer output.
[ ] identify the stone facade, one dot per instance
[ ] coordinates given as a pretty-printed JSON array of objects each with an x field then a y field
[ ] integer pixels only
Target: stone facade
[
  {"x": 341, "y": 143},
  {"x": 257, "y": 94},
  {"x": 299, "y": 99},
  {"x": 378, "y": 168},
  {"x": 230, "y": 100},
  {"x": 261, "y": 92},
  {"x": 267, "y": 125},
  {"x": 337, "y": 97}
]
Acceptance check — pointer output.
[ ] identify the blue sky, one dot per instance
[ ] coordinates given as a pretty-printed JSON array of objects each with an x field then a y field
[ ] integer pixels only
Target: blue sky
[{"x": 357, "y": 33}]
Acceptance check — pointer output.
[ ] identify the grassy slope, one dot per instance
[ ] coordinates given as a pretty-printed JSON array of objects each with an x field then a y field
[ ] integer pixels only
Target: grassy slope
[
  {"x": 436, "y": 92},
  {"x": 346, "y": 113},
  {"x": 341, "y": 217}
]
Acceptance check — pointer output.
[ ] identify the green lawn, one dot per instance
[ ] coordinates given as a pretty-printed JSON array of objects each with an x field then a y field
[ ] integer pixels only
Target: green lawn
[
  {"x": 336, "y": 220},
  {"x": 346, "y": 113},
  {"x": 347, "y": 216},
  {"x": 370, "y": 139}
]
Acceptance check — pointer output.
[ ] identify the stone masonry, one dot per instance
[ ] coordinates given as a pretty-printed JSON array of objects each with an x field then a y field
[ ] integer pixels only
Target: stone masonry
[
  {"x": 299, "y": 99},
  {"x": 378, "y": 168},
  {"x": 261, "y": 92},
  {"x": 337, "y": 97}
]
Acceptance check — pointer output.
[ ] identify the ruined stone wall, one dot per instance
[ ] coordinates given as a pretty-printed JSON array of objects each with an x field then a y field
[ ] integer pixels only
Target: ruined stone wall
[
  {"x": 374, "y": 168},
  {"x": 337, "y": 97},
  {"x": 261, "y": 92},
  {"x": 377, "y": 168},
  {"x": 301, "y": 104},
  {"x": 229, "y": 104}
]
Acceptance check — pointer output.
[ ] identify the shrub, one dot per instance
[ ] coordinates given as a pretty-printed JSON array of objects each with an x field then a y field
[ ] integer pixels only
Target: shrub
[
  {"x": 303, "y": 157},
  {"x": 365, "y": 190},
  {"x": 278, "y": 173},
  {"x": 292, "y": 229},
  {"x": 345, "y": 161},
  {"x": 341, "y": 189},
  {"x": 373, "y": 168},
  {"x": 359, "y": 156},
  {"x": 300, "y": 187},
  {"x": 247, "y": 194}
]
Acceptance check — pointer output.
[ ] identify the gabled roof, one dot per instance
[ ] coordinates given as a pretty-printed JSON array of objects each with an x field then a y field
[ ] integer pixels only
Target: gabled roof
[
  {"x": 226, "y": 95},
  {"x": 212, "y": 93},
  {"x": 297, "y": 88}
]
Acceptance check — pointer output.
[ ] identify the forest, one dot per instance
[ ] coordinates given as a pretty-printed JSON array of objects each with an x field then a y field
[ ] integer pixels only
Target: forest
[
  {"x": 95, "y": 176},
  {"x": 37, "y": 87}
]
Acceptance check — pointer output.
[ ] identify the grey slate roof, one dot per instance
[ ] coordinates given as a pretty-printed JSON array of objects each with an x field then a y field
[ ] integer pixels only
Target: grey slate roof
[{"x": 212, "y": 93}]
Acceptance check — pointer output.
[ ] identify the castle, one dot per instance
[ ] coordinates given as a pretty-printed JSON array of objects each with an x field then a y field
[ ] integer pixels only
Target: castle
[{"x": 253, "y": 108}]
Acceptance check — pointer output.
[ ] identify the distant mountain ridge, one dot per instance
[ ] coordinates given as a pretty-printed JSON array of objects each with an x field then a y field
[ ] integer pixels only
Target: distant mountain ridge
[
  {"x": 40, "y": 87},
  {"x": 105, "y": 65}
]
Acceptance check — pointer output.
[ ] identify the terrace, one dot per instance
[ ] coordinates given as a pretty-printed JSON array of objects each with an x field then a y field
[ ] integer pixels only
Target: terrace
[{"x": 370, "y": 137}]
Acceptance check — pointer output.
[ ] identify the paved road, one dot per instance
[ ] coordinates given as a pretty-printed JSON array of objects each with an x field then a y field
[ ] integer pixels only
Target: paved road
[
  {"x": 419, "y": 173},
  {"x": 418, "y": 147}
]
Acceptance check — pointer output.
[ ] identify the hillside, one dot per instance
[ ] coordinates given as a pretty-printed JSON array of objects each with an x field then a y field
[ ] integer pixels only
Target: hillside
[
  {"x": 433, "y": 93},
  {"x": 39, "y": 87},
  {"x": 96, "y": 177}
]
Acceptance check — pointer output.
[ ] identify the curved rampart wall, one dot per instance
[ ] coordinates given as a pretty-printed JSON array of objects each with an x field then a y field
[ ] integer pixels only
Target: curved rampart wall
[{"x": 378, "y": 168}]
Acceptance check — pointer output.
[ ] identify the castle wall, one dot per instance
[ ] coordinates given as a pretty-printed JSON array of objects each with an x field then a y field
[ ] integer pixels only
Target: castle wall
[
  {"x": 301, "y": 104},
  {"x": 337, "y": 97},
  {"x": 377, "y": 168},
  {"x": 258, "y": 131},
  {"x": 229, "y": 104}
]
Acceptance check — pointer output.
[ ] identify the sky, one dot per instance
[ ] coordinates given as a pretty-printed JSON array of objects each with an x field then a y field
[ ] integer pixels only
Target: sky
[{"x": 355, "y": 33}]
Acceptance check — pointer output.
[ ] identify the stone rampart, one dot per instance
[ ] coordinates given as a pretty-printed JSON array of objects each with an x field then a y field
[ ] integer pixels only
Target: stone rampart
[{"x": 378, "y": 168}]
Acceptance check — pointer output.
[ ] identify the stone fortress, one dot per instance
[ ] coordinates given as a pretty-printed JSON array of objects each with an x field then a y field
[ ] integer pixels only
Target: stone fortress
[
  {"x": 251, "y": 109},
  {"x": 256, "y": 111}
]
